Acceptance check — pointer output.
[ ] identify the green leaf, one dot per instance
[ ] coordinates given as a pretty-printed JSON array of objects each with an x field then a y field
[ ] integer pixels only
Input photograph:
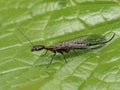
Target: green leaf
[{"x": 48, "y": 22}]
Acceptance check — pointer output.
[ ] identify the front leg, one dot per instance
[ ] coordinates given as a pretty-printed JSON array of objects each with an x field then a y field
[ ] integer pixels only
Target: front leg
[
  {"x": 51, "y": 59},
  {"x": 63, "y": 57}
]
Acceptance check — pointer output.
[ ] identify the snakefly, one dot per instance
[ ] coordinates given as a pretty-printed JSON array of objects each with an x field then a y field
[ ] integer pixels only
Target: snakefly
[{"x": 91, "y": 41}]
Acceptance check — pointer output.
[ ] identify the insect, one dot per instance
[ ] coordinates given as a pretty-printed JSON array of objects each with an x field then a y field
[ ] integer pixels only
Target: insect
[
  {"x": 83, "y": 42},
  {"x": 92, "y": 41}
]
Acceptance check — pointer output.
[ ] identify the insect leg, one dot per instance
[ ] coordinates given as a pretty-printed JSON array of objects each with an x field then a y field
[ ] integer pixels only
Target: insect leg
[
  {"x": 45, "y": 53},
  {"x": 64, "y": 57},
  {"x": 51, "y": 59}
]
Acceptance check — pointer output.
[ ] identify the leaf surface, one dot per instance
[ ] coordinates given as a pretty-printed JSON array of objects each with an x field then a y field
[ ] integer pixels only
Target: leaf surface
[{"x": 48, "y": 22}]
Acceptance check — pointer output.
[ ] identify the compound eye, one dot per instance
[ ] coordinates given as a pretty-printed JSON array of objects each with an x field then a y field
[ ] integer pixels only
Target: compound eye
[
  {"x": 33, "y": 49},
  {"x": 37, "y": 48}
]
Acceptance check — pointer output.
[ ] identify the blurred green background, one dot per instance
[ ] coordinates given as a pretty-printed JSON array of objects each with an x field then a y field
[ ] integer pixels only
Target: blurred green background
[{"x": 48, "y": 22}]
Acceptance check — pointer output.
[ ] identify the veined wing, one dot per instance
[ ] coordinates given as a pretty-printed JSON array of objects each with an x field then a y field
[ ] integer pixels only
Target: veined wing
[
  {"x": 93, "y": 38},
  {"x": 90, "y": 41}
]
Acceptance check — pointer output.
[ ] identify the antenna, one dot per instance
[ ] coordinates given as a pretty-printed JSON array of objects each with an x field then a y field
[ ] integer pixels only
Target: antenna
[{"x": 25, "y": 36}]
